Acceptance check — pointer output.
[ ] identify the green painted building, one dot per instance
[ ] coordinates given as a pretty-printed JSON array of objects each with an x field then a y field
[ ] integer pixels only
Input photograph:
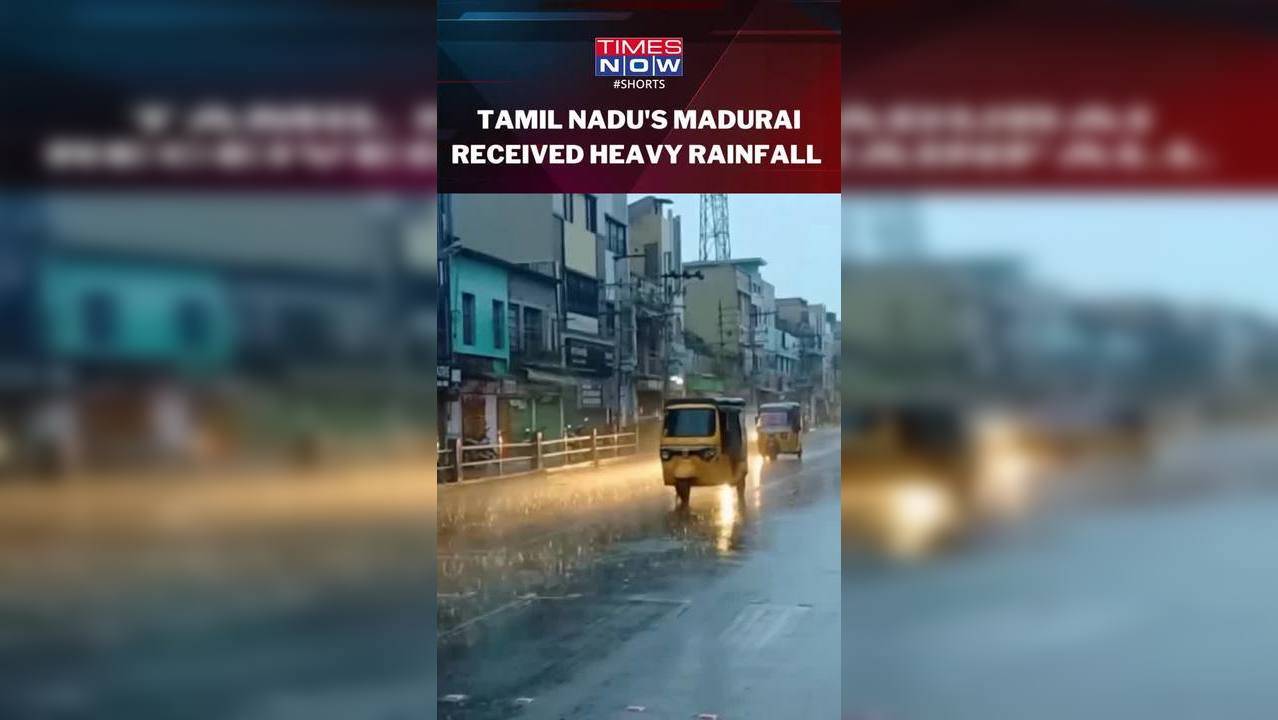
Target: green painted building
[
  {"x": 119, "y": 312},
  {"x": 480, "y": 293}
]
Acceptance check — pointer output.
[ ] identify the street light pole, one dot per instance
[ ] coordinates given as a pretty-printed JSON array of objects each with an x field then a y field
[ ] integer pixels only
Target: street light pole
[
  {"x": 623, "y": 289},
  {"x": 755, "y": 318},
  {"x": 666, "y": 330}
]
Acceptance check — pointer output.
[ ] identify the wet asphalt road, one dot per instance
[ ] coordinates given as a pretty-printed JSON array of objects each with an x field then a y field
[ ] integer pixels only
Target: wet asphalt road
[
  {"x": 589, "y": 595},
  {"x": 1130, "y": 590},
  {"x": 250, "y": 598}
]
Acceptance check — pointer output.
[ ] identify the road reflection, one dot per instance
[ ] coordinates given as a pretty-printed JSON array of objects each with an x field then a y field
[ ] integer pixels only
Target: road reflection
[
  {"x": 1145, "y": 576},
  {"x": 543, "y": 579},
  {"x": 581, "y": 534},
  {"x": 903, "y": 518},
  {"x": 907, "y": 511},
  {"x": 130, "y": 585},
  {"x": 598, "y": 531}
]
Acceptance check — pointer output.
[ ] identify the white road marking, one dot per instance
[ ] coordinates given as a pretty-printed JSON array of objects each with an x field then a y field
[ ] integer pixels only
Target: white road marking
[
  {"x": 758, "y": 624},
  {"x": 455, "y": 698}
]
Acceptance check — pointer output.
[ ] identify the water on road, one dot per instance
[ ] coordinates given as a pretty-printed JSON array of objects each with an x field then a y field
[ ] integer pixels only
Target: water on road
[
  {"x": 274, "y": 596},
  {"x": 592, "y": 595},
  {"x": 1129, "y": 588}
]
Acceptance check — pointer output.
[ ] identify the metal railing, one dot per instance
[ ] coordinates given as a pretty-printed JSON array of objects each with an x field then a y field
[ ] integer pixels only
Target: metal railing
[
  {"x": 536, "y": 352},
  {"x": 459, "y": 461}
]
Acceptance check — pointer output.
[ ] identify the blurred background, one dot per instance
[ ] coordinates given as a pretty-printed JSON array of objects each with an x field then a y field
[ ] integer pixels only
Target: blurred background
[
  {"x": 217, "y": 337},
  {"x": 1060, "y": 456},
  {"x": 216, "y": 455}
]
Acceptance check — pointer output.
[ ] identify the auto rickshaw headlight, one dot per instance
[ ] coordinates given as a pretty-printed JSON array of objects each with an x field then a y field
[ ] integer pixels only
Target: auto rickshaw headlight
[
  {"x": 708, "y": 454},
  {"x": 666, "y": 455}
]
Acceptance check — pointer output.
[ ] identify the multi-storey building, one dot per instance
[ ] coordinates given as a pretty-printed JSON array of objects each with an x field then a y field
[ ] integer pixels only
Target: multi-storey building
[
  {"x": 731, "y": 312},
  {"x": 562, "y": 305},
  {"x": 656, "y": 292},
  {"x": 191, "y": 324},
  {"x": 783, "y": 362},
  {"x": 815, "y": 328}
]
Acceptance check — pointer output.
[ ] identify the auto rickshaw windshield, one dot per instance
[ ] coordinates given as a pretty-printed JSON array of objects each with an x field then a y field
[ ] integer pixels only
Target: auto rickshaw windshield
[
  {"x": 774, "y": 420},
  {"x": 689, "y": 422}
]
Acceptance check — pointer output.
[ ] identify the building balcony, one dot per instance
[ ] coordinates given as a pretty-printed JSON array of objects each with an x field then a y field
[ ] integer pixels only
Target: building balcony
[
  {"x": 650, "y": 364},
  {"x": 650, "y": 295},
  {"x": 539, "y": 355}
]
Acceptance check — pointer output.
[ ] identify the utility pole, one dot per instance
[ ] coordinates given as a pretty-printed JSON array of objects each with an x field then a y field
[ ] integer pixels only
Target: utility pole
[
  {"x": 667, "y": 312},
  {"x": 623, "y": 293},
  {"x": 755, "y": 317},
  {"x": 730, "y": 364},
  {"x": 722, "y": 364},
  {"x": 754, "y": 361},
  {"x": 667, "y": 340}
]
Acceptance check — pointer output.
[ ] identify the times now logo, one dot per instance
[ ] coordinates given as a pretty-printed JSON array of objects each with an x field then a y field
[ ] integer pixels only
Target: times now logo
[{"x": 638, "y": 57}]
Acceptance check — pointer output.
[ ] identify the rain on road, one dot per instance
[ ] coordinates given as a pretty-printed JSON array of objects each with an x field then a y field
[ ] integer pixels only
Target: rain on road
[
  {"x": 270, "y": 596},
  {"x": 1129, "y": 589},
  {"x": 590, "y": 595}
]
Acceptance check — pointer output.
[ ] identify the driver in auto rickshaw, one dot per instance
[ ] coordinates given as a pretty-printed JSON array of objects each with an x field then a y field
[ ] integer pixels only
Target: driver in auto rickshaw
[
  {"x": 780, "y": 427},
  {"x": 702, "y": 444}
]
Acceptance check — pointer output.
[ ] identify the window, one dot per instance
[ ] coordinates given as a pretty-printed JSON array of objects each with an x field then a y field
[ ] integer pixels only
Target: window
[
  {"x": 192, "y": 320},
  {"x": 499, "y": 324},
  {"x": 592, "y": 213},
  {"x": 610, "y": 319},
  {"x": 774, "y": 420},
  {"x": 689, "y": 422},
  {"x": 581, "y": 294},
  {"x": 534, "y": 332},
  {"x": 568, "y": 207},
  {"x": 513, "y": 330},
  {"x": 468, "y": 319},
  {"x": 616, "y": 237},
  {"x": 99, "y": 315}
]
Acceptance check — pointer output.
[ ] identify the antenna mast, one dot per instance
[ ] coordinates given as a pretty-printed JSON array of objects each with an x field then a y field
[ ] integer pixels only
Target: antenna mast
[{"x": 715, "y": 242}]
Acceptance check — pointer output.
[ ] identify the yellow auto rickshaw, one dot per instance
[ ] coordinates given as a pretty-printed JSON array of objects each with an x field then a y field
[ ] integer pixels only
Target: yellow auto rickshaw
[
  {"x": 703, "y": 443},
  {"x": 780, "y": 427}
]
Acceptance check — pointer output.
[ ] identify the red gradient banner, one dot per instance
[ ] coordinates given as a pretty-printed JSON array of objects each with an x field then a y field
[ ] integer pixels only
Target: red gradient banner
[
  {"x": 1112, "y": 95},
  {"x": 763, "y": 55}
]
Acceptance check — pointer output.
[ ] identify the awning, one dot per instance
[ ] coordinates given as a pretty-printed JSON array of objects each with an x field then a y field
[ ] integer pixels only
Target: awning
[{"x": 549, "y": 378}]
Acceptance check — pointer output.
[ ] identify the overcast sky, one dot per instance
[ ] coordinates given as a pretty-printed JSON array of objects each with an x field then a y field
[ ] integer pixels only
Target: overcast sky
[
  {"x": 1211, "y": 249},
  {"x": 798, "y": 236},
  {"x": 1205, "y": 249}
]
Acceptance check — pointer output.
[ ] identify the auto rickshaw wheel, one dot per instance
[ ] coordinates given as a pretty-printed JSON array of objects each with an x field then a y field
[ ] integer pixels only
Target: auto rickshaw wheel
[{"x": 683, "y": 490}]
